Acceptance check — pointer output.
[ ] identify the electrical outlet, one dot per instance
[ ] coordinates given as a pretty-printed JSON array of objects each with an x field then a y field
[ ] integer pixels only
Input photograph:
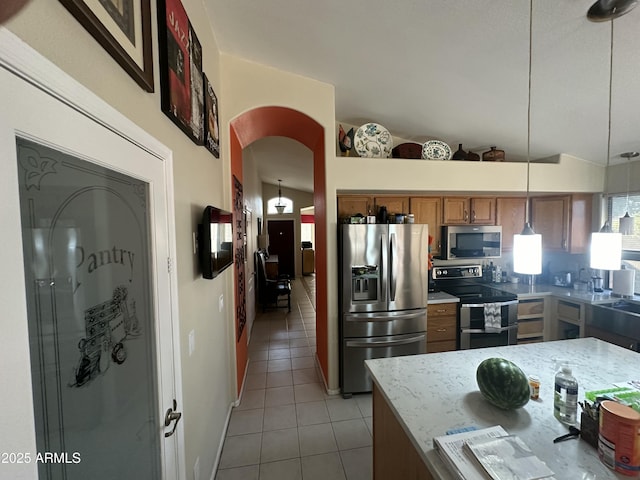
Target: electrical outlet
[
  {"x": 221, "y": 303},
  {"x": 192, "y": 341},
  {"x": 196, "y": 469}
]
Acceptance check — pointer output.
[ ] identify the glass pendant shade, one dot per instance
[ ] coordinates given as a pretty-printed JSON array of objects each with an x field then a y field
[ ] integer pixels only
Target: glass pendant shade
[
  {"x": 626, "y": 224},
  {"x": 606, "y": 250},
  {"x": 527, "y": 252}
]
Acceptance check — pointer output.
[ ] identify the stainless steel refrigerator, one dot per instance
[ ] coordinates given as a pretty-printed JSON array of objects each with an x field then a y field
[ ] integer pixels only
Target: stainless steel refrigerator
[{"x": 383, "y": 299}]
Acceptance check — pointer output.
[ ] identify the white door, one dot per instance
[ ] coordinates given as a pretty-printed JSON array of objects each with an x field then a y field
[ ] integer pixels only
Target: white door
[{"x": 88, "y": 300}]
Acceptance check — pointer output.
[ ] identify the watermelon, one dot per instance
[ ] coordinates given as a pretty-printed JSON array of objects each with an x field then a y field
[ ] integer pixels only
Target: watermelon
[{"x": 502, "y": 383}]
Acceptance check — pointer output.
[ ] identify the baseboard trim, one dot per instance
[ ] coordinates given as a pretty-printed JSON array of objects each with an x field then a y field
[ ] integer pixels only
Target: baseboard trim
[{"x": 216, "y": 463}]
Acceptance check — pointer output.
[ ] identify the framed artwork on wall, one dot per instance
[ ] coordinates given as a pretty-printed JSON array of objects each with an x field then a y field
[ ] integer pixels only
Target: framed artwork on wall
[
  {"x": 123, "y": 28},
  {"x": 181, "y": 78},
  {"x": 211, "y": 126}
]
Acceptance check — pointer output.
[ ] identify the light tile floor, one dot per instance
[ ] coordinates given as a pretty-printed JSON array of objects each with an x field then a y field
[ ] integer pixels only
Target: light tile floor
[{"x": 286, "y": 426}]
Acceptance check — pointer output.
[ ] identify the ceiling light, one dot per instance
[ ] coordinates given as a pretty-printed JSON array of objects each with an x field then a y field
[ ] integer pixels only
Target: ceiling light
[
  {"x": 527, "y": 246},
  {"x": 626, "y": 222},
  {"x": 606, "y": 246},
  {"x": 279, "y": 206},
  {"x": 604, "y": 10}
]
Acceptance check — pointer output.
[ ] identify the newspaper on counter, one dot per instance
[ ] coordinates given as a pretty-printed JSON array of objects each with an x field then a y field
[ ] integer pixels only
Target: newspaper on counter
[
  {"x": 489, "y": 453},
  {"x": 507, "y": 458},
  {"x": 451, "y": 450}
]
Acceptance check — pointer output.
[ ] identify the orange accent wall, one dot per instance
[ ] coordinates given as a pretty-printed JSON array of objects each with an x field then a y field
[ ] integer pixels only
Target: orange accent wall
[
  {"x": 285, "y": 122},
  {"x": 241, "y": 344}
]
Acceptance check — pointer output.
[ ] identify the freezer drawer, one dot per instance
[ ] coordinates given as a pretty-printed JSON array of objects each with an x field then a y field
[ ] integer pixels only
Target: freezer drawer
[
  {"x": 377, "y": 324},
  {"x": 353, "y": 373}
]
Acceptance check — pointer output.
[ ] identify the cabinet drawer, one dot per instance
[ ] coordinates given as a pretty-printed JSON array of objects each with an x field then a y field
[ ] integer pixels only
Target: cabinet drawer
[
  {"x": 530, "y": 307},
  {"x": 570, "y": 311},
  {"x": 441, "y": 328},
  {"x": 444, "y": 346},
  {"x": 528, "y": 327},
  {"x": 442, "y": 310}
]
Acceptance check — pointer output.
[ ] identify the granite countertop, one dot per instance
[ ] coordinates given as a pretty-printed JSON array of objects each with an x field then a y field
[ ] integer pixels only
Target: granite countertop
[{"x": 432, "y": 393}]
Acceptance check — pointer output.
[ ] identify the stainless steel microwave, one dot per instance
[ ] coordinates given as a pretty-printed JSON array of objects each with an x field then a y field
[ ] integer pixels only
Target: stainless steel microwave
[{"x": 471, "y": 241}]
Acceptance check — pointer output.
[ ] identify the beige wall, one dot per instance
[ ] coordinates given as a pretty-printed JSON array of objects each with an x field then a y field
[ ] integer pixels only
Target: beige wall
[{"x": 209, "y": 374}]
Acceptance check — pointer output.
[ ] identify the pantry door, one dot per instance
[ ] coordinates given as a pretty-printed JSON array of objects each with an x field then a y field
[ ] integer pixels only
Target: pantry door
[{"x": 88, "y": 294}]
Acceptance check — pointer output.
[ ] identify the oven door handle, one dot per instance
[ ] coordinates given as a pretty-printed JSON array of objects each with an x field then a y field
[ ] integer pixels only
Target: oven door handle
[
  {"x": 379, "y": 343},
  {"x": 482, "y": 330},
  {"x": 478, "y": 305}
]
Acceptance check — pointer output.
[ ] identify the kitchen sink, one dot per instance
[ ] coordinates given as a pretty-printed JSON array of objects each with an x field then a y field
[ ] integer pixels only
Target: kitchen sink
[
  {"x": 624, "y": 306},
  {"x": 621, "y": 317}
]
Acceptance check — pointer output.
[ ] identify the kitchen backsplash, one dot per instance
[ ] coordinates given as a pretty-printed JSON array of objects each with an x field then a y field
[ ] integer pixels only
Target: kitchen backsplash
[{"x": 552, "y": 264}]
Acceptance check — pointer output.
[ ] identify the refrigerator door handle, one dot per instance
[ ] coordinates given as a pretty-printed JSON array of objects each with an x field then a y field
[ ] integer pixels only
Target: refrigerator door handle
[
  {"x": 380, "y": 343},
  {"x": 383, "y": 317},
  {"x": 383, "y": 269},
  {"x": 392, "y": 267}
]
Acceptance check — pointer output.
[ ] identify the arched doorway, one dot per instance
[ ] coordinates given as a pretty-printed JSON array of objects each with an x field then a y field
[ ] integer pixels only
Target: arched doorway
[{"x": 285, "y": 122}]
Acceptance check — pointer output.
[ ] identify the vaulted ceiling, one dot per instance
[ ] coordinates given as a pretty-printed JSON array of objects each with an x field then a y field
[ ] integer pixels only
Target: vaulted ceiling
[{"x": 454, "y": 70}]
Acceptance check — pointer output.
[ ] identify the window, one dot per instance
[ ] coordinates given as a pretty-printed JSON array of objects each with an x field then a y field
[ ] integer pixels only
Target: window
[
  {"x": 630, "y": 243},
  {"x": 617, "y": 208},
  {"x": 271, "y": 205}
]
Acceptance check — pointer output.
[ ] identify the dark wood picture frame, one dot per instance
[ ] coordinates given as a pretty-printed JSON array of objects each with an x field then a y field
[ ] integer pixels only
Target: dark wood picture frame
[
  {"x": 211, "y": 124},
  {"x": 181, "y": 77},
  {"x": 141, "y": 71}
]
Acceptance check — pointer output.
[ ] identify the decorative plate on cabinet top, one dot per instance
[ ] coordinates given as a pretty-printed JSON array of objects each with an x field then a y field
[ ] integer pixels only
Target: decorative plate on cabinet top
[
  {"x": 373, "y": 140},
  {"x": 436, "y": 150}
]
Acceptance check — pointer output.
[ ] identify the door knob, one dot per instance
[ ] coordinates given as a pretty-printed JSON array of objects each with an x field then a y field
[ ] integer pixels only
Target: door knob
[{"x": 171, "y": 416}]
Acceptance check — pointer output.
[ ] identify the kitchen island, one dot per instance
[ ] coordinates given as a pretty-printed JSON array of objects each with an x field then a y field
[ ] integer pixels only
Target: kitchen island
[{"x": 419, "y": 397}]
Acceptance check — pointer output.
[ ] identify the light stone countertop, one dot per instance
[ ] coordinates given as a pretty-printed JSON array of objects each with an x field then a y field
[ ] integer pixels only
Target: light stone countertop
[
  {"x": 441, "y": 297},
  {"x": 432, "y": 393},
  {"x": 529, "y": 291}
]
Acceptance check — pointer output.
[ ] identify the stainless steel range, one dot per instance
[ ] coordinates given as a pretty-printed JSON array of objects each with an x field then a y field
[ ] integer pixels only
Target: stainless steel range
[{"x": 488, "y": 316}]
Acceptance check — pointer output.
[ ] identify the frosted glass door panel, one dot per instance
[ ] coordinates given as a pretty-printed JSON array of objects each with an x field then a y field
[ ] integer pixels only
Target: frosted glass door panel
[{"x": 86, "y": 241}]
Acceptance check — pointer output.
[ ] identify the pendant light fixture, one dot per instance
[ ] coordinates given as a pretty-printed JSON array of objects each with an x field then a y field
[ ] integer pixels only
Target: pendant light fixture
[
  {"x": 279, "y": 206},
  {"x": 626, "y": 222},
  {"x": 527, "y": 246},
  {"x": 604, "y": 10},
  {"x": 606, "y": 246}
]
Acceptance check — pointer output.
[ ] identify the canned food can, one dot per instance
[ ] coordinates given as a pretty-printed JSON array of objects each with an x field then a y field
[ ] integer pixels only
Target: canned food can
[{"x": 619, "y": 438}]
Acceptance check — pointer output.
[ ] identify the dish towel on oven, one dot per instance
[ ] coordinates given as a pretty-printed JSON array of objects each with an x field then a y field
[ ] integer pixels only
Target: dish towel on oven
[{"x": 492, "y": 317}]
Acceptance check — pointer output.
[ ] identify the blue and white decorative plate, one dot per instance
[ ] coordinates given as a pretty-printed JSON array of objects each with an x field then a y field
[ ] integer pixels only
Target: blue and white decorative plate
[
  {"x": 436, "y": 150},
  {"x": 373, "y": 140}
]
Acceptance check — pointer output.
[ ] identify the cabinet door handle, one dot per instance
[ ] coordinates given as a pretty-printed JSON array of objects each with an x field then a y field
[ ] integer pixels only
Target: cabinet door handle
[
  {"x": 466, "y": 215},
  {"x": 441, "y": 311},
  {"x": 473, "y": 215},
  {"x": 441, "y": 330}
]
